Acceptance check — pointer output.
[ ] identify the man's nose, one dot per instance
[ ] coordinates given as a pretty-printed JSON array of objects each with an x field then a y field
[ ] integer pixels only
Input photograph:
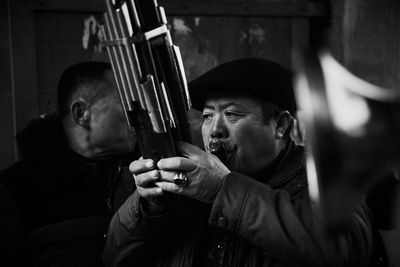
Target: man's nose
[{"x": 219, "y": 129}]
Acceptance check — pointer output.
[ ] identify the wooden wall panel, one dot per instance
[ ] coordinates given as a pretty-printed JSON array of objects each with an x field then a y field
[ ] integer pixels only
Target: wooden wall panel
[
  {"x": 371, "y": 39},
  {"x": 23, "y": 63},
  {"x": 46, "y": 36},
  {"x": 205, "y": 42},
  {"x": 208, "y": 41},
  {"x": 252, "y": 8},
  {"x": 7, "y": 144},
  {"x": 59, "y": 44}
]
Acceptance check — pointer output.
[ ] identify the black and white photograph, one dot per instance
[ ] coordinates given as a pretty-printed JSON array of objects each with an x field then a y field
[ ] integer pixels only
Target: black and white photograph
[{"x": 199, "y": 133}]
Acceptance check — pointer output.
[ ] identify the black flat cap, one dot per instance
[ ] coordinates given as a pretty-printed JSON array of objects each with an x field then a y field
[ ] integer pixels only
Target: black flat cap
[{"x": 258, "y": 78}]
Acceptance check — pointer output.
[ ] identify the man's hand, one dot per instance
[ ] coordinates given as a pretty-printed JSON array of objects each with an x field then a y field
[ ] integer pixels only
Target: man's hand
[
  {"x": 205, "y": 173},
  {"x": 146, "y": 175}
]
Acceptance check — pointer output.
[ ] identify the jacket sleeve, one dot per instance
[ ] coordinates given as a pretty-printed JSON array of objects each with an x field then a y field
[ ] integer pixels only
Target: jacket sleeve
[
  {"x": 280, "y": 227},
  {"x": 132, "y": 234}
]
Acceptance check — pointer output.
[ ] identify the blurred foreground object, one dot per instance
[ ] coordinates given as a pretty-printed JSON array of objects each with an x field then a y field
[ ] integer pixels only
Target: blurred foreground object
[{"x": 353, "y": 130}]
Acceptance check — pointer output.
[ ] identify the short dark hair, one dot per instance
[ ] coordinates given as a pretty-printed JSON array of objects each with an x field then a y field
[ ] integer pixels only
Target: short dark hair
[
  {"x": 81, "y": 78},
  {"x": 269, "y": 110}
]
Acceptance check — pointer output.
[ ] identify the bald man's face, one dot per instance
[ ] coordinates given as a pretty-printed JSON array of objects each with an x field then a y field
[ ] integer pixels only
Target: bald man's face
[{"x": 109, "y": 130}]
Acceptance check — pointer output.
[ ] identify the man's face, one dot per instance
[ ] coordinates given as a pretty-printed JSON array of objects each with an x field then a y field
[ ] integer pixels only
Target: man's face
[
  {"x": 238, "y": 124},
  {"x": 109, "y": 131}
]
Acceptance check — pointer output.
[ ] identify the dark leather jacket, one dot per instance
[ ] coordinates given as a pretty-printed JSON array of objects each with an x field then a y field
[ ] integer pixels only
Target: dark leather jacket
[
  {"x": 64, "y": 200},
  {"x": 267, "y": 220}
]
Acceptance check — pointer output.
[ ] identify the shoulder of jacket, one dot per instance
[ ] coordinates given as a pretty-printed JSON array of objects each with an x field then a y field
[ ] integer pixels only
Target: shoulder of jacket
[{"x": 298, "y": 182}]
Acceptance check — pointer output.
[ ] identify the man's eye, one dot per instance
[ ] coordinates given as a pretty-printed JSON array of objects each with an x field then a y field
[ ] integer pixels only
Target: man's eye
[
  {"x": 207, "y": 116},
  {"x": 231, "y": 115}
]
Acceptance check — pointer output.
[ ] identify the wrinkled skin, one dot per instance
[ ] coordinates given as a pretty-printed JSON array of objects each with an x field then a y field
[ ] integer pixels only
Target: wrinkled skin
[
  {"x": 235, "y": 122},
  {"x": 205, "y": 172}
]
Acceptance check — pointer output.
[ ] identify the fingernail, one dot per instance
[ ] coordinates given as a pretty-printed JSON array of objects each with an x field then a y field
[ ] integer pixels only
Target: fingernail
[
  {"x": 159, "y": 164},
  {"x": 149, "y": 164}
]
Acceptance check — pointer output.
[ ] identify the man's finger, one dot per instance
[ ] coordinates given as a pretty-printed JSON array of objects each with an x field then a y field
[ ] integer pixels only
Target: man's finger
[
  {"x": 170, "y": 187},
  {"x": 176, "y": 163},
  {"x": 167, "y": 176},
  {"x": 150, "y": 192},
  {"x": 142, "y": 165},
  {"x": 144, "y": 179}
]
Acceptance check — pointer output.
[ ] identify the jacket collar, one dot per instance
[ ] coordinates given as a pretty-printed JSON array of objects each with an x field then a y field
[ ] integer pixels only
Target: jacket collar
[{"x": 284, "y": 167}]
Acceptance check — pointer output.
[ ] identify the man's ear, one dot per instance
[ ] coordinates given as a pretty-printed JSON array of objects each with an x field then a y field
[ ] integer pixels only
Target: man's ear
[
  {"x": 284, "y": 123},
  {"x": 80, "y": 112}
]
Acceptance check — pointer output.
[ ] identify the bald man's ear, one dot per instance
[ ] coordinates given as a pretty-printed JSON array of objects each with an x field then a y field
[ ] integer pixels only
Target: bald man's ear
[
  {"x": 284, "y": 123},
  {"x": 80, "y": 113}
]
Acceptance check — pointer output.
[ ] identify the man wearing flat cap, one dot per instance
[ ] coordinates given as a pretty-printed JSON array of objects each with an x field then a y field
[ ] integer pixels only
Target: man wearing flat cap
[{"x": 248, "y": 193}]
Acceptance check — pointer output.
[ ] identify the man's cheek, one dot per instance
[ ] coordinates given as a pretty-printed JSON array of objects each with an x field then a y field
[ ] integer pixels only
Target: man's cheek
[
  {"x": 244, "y": 135},
  {"x": 205, "y": 143},
  {"x": 205, "y": 136}
]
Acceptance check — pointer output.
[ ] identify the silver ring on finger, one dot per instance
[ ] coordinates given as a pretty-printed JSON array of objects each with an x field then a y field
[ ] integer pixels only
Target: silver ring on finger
[{"x": 180, "y": 179}]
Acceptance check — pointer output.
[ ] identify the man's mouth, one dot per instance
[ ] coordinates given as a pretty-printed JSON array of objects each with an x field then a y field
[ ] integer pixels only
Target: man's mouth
[{"x": 221, "y": 150}]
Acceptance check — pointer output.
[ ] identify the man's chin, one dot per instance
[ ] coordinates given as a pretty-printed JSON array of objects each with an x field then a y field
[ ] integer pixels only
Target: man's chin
[{"x": 230, "y": 162}]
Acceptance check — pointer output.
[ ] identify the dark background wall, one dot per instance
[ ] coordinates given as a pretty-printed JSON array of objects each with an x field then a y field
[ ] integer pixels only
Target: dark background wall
[
  {"x": 40, "y": 38},
  {"x": 365, "y": 36}
]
